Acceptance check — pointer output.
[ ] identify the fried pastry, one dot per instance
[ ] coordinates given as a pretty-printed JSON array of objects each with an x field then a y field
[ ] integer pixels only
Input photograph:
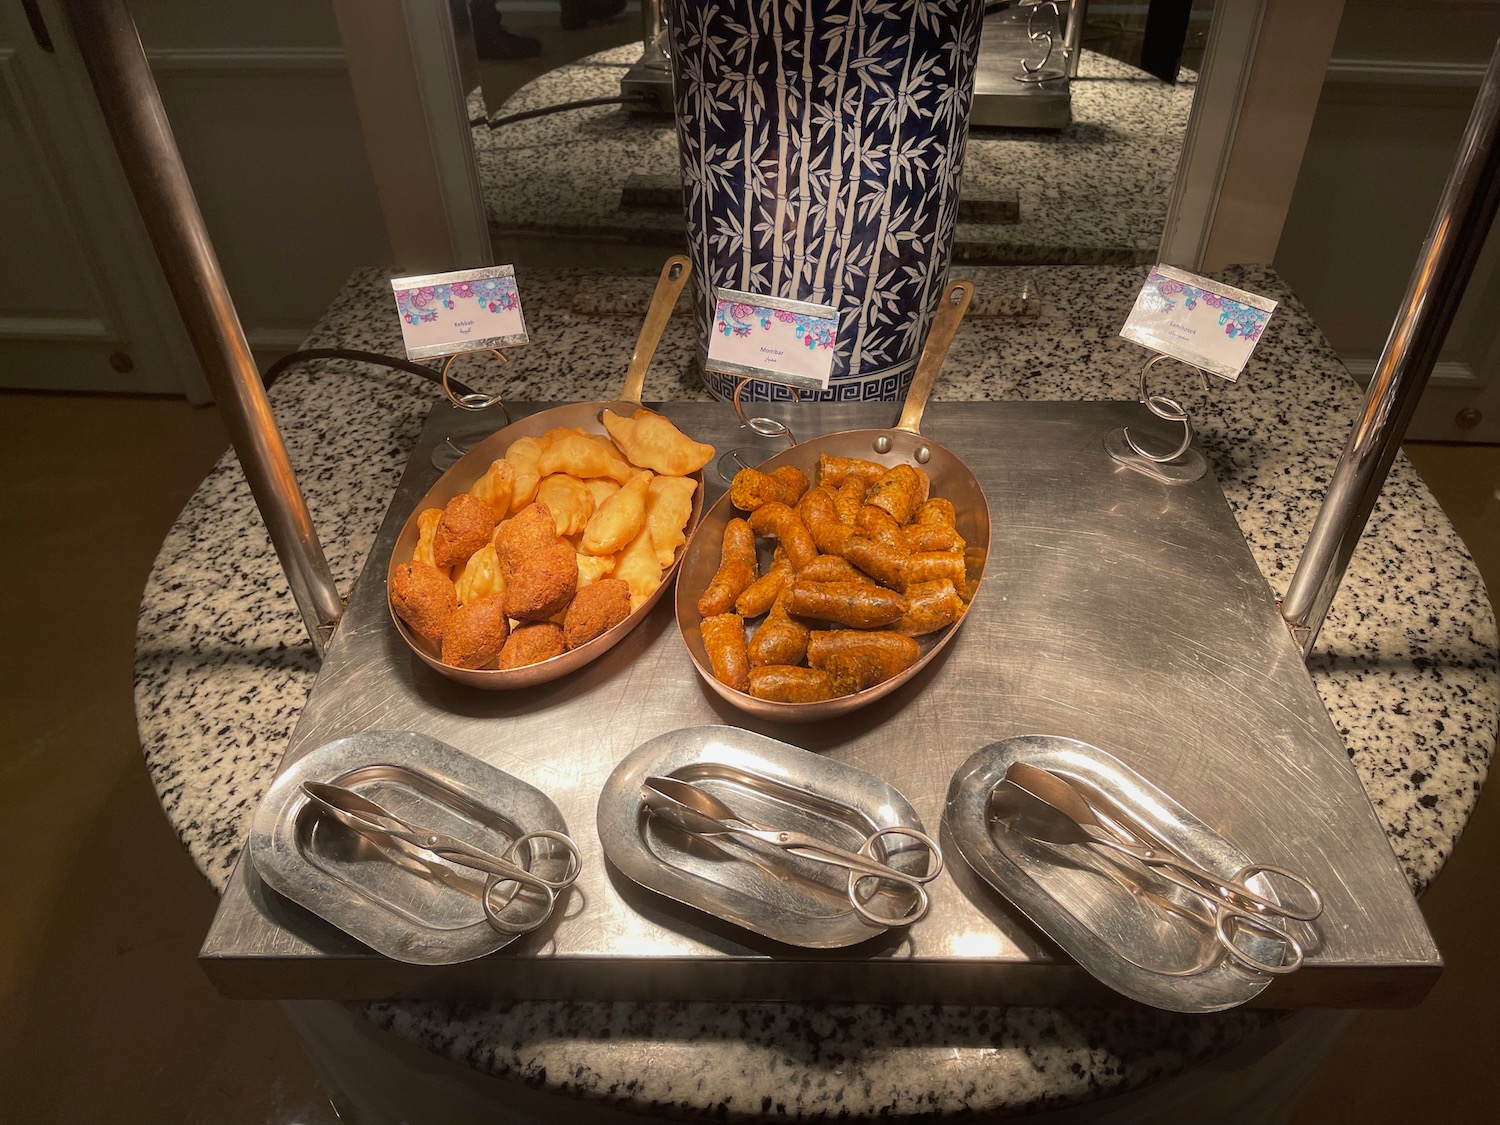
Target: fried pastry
[
  {"x": 652, "y": 442},
  {"x": 539, "y": 567},
  {"x": 476, "y": 633},
  {"x": 423, "y": 597}
]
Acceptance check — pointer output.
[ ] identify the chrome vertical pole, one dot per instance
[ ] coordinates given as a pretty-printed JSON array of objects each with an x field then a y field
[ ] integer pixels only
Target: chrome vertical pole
[
  {"x": 116, "y": 63},
  {"x": 1464, "y": 215}
]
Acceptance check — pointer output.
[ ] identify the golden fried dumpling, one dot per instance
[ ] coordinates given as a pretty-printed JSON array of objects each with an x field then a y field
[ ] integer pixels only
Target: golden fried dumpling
[
  {"x": 479, "y": 577},
  {"x": 619, "y": 519},
  {"x": 584, "y": 455},
  {"x": 638, "y": 567},
  {"x": 591, "y": 568},
  {"x": 427, "y": 522},
  {"x": 568, "y": 500},
  {"x": 669, "y": 506},
  {"x": 654, "y": 443},
  {"x": 496, "y": 486},
  {"x": 523, "y": 454}
]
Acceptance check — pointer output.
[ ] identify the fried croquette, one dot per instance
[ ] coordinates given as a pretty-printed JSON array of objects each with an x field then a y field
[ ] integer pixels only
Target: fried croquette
[
  {"x": 476, "y": 633},
  {"x": 539, "y": 567},
  {"x": 596, "y": 609},
  {"x": 423, "y": 597},
  {"x": 531, "y": 644},
  {"x": 466, "y": 525}
]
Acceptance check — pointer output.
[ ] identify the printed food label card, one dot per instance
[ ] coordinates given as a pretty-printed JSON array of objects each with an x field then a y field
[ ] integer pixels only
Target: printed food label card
[
  {"x": 448, "y": 313},
  {"x": 1202, "y": 322},
  {"x": 790, "y": 342}
]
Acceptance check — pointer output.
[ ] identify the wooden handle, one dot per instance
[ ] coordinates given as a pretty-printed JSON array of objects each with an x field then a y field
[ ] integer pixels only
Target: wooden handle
[
  {"x": 674, "y": 276},
  {"x": 945, "y": 322}
]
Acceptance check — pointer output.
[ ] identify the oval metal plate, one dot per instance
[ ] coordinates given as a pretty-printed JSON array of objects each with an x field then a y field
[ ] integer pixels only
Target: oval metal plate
[
  {"x": 1141, "y": 936},
  {"x": 775, "y": 894},
  {"x": 422, "y": 912}
]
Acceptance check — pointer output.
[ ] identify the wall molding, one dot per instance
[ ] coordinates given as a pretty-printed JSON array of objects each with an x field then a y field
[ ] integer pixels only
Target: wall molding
[
  {"x": 1445, "y": 373},
  {"x": 54, "y": 328},
  {"x": 1404, "y": 72},
  {"x": 246, "y": 58}
]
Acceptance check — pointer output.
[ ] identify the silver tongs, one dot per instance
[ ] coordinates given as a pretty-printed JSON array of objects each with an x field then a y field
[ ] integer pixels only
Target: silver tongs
[
  {"x": 699, "y": 813},
  {"x": 1047, "y": 806},
  {"x": 508, "y": 875}
]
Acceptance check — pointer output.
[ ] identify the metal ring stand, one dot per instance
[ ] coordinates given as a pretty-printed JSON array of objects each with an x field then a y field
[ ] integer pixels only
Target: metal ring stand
[
  {"x": 1180, "y": 466},
  {"x": 732, "y": 461},
  {"x": 1041, "y": 72},
  {"x": 474, "y": 400}
]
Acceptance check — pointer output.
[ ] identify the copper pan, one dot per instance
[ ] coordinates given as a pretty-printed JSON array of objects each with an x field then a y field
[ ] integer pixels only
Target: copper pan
[
  {"x": 473, "y": 464},
  {"x": 950, "y": 479}
]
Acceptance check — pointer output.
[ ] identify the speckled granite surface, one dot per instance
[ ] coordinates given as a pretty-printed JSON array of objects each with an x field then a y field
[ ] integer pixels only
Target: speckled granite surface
[
  {"x": 1407, "y": 666},
  {"x": 1095, "y": 192}
]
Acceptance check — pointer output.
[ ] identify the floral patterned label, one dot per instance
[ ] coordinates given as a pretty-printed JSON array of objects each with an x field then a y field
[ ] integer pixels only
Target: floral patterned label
[
  {"x": 1198, "y": 321},
  {"x": 787, "y": 342},
  {"x": 448, "y": 313}
]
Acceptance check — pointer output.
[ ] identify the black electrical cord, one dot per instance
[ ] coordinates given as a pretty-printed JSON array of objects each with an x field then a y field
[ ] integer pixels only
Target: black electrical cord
[
  {"x": 291, "y": 359},
  {"x": 527, "y": 115}
]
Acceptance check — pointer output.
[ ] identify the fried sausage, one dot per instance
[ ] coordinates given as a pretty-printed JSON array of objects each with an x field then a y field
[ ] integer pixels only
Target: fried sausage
[
  {"x": 882, "y": 562},
  {"x": 761, "y": 594},
  {"x": 931, "y": 606},
  {"x": 751, "y": 488},
  {"x": 930, "y": 566},
  {"x": 724, "y": 640},
  {"x": 824, "y": 644},
  {"x": 860, "y": 605},
  {"x": 899, "y": 492},
  {"x": 782, "y": 683},
  {"x": 931, "y": 537},
  {"x": 831, "y": 568},
  {"x": 737, "y": 569},
  {"x": 834, "y": 471},
  {"x": 878, "y": 524},
  {"x": 849, "y": 499},
  {"x": 781, "y": 638},
  {"x": 936, "y": 509},
  {"x": 819, "y": 514},
  {"x": 782, "y": 523}
]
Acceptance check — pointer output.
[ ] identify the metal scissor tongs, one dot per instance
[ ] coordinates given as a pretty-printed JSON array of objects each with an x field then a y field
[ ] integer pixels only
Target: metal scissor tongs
[
  {"x": 699, "y": 813},
  {"x": 1047, "y": 806},
  {"x": 506, "y": 872}
]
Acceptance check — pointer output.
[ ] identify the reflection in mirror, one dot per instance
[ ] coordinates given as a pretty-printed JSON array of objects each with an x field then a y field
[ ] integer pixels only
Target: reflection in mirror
[{"x": 1072, "y": 150}]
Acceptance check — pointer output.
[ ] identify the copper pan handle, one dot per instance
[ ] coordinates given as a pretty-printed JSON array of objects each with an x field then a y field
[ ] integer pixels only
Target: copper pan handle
[
  {"x": 945, "y": 321},
  {"x": 674, "y": 275}
]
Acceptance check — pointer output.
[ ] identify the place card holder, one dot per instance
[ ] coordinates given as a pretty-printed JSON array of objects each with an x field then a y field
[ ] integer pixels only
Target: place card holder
[
  {"x": 1208, "y": 327},
  {"x": 1181, "y": 465},
  {"x": 458, "y": 314}
]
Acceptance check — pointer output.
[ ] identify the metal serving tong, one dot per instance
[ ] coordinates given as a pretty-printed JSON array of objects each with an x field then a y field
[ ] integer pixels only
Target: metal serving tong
[
  {"x": 699, "y": 813},
  {"x": 1047, "y": 806},
  {"x": 504, "y": 872}
]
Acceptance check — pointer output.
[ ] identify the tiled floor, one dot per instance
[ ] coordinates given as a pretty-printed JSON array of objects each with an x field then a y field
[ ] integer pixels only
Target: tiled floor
[{"x": 104, "y": 1013}]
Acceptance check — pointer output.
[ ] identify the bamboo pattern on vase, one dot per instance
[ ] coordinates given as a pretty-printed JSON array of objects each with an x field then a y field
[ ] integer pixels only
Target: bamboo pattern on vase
[{"x": 822, "y": 143}]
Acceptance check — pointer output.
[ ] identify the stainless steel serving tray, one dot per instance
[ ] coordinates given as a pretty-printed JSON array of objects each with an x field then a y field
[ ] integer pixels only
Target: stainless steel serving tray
[
  {"x": 1140, "y": 935},
  {"x": 784, "y": 898},
  {"x": 420, "y": 913},
  {"x": 1215, "y": 700}
]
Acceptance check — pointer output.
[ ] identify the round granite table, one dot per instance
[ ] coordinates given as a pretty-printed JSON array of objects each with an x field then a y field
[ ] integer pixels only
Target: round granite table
[
  {"x": 1095, "y": 191},
  {"x": 1406, "y": 664}
]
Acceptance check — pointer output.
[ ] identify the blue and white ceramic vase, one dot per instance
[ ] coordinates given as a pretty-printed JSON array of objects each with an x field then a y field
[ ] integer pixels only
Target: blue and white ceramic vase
[{"x": 822, "y": 143}]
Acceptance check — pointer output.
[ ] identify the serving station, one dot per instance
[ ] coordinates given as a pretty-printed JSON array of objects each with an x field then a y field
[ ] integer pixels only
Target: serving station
[{"x": 1406, "y": 673}]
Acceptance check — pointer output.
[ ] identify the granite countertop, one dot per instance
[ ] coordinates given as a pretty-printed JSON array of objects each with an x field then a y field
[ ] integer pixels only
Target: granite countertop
[
  {"x": 1095, "y": 192},
  {"x": 1406, "y": 663}
]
